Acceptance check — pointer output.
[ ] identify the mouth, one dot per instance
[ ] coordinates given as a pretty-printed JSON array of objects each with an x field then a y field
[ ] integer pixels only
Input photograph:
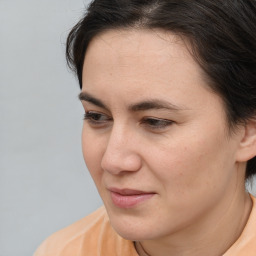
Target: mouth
[{"x": 129, "y": 198}]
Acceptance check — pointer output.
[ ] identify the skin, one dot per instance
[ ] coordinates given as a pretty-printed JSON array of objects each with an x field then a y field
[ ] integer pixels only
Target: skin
[{"x": 182, "y": 151}]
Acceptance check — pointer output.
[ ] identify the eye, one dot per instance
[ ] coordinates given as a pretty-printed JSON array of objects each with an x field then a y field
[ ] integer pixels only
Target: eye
[
  {"x": 96, "y": 119},
  {"x": 156, "y": 123}
]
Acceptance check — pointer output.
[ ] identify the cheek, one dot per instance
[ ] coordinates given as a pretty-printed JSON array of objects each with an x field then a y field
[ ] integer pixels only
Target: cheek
[
  {"x": 191, "y": 169},
  {"x": 180, "y": 167},
  {"x": 92, "y": 149}
]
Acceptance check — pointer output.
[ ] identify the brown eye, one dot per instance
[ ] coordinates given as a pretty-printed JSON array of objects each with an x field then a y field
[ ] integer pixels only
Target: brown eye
[
  {"x": 156, "y": 123},
  {"x": 96, "y": 118}
]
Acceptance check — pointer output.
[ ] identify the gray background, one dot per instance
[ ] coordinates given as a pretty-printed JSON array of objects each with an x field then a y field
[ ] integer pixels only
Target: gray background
[{"x": 44, "y": 184}]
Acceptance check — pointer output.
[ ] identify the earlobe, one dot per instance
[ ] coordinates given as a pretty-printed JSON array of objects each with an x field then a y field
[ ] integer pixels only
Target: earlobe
[{"x": 247, "y": 146}]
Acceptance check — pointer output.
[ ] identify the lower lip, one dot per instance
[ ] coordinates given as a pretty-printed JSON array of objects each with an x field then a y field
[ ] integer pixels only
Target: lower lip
[{"x": 129, "y": 201}]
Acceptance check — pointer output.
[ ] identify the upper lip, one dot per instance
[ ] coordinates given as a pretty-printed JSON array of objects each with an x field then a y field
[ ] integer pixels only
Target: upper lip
[{"x": 128, "y": 192}]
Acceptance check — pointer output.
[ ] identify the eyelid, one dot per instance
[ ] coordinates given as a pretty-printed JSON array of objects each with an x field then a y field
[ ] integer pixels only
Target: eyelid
[
  {"x": 90, "y": 116},
  {"x": 160, "y": 123},
  {"x": 98, "y": 119}
]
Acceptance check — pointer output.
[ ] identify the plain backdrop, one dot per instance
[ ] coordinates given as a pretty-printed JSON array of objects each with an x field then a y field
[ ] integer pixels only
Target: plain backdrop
[{"x": 44, "y": 183}]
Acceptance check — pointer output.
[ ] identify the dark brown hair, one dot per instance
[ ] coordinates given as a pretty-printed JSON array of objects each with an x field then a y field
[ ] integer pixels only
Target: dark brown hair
[{"x": 222, "y": 34}]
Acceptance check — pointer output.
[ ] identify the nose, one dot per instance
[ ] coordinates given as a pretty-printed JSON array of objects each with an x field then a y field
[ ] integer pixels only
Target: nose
[{"x": 121, "y": 153}]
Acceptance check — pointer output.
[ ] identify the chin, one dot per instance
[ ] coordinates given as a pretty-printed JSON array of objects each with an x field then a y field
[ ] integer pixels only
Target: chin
[
  {"x": 132, "y": 234},
  {"x": 135, "y": 224},
  {"x": 132, "y": 228}
]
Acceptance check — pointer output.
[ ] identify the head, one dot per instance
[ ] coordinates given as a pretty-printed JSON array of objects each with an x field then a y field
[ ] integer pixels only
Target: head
[
  {"x": 221, "y": 35},
  {"x": 130, "y": 46}
]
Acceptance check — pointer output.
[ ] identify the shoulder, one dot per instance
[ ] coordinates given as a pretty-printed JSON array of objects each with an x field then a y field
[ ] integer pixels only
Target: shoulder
[
  {"x": 92, "y": 235},
  {"x": 246, "y": 244},
  {"x": 71, "y": 236}
]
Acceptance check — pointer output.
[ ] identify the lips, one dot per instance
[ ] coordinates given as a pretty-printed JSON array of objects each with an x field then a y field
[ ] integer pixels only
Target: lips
[{"x": 128, "y": 198}]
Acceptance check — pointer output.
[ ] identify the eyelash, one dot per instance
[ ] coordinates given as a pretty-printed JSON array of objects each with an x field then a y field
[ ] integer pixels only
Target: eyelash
[
  {"x": 156, "y": 123},
  {"x": 98, "y": 119},
  {"x": 94, "y": 118}
]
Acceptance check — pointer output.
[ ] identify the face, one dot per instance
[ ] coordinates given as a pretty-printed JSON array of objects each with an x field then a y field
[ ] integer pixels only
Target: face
[{"x": 155, "y": 138}]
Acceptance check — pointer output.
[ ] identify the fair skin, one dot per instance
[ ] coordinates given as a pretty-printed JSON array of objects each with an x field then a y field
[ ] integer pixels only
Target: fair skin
[{"x": 153, "y": 125}]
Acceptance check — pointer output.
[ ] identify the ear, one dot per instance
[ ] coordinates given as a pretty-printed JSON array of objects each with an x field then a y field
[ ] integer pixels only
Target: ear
[{"x": 247, "y": 146}]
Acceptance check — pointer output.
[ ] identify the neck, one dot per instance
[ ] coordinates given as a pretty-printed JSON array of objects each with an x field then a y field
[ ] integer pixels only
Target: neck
[{"x": 203, "y": 237}]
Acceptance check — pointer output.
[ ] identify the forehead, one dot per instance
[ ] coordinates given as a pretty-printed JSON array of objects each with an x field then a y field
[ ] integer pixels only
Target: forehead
[
  {"x": 125, "y": 46},
  {"x": 142, "y": 63},
  {"x": 141, "y": 41},
  {"x": 137, "y": 52}
]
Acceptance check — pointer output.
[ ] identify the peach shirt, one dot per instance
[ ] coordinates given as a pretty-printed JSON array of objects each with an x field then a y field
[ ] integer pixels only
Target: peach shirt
[{"x": 94, "y": 236}]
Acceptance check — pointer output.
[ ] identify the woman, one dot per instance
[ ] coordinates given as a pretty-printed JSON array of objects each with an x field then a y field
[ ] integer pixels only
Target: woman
[{"x": 169, "y": 137}]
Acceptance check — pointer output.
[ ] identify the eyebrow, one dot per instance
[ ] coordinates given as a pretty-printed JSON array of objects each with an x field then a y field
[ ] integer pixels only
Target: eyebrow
[
  {"x": 154, "y": 104},
  {"x": 141, "y": 106},
  {"x": 83, "y": 96}
]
